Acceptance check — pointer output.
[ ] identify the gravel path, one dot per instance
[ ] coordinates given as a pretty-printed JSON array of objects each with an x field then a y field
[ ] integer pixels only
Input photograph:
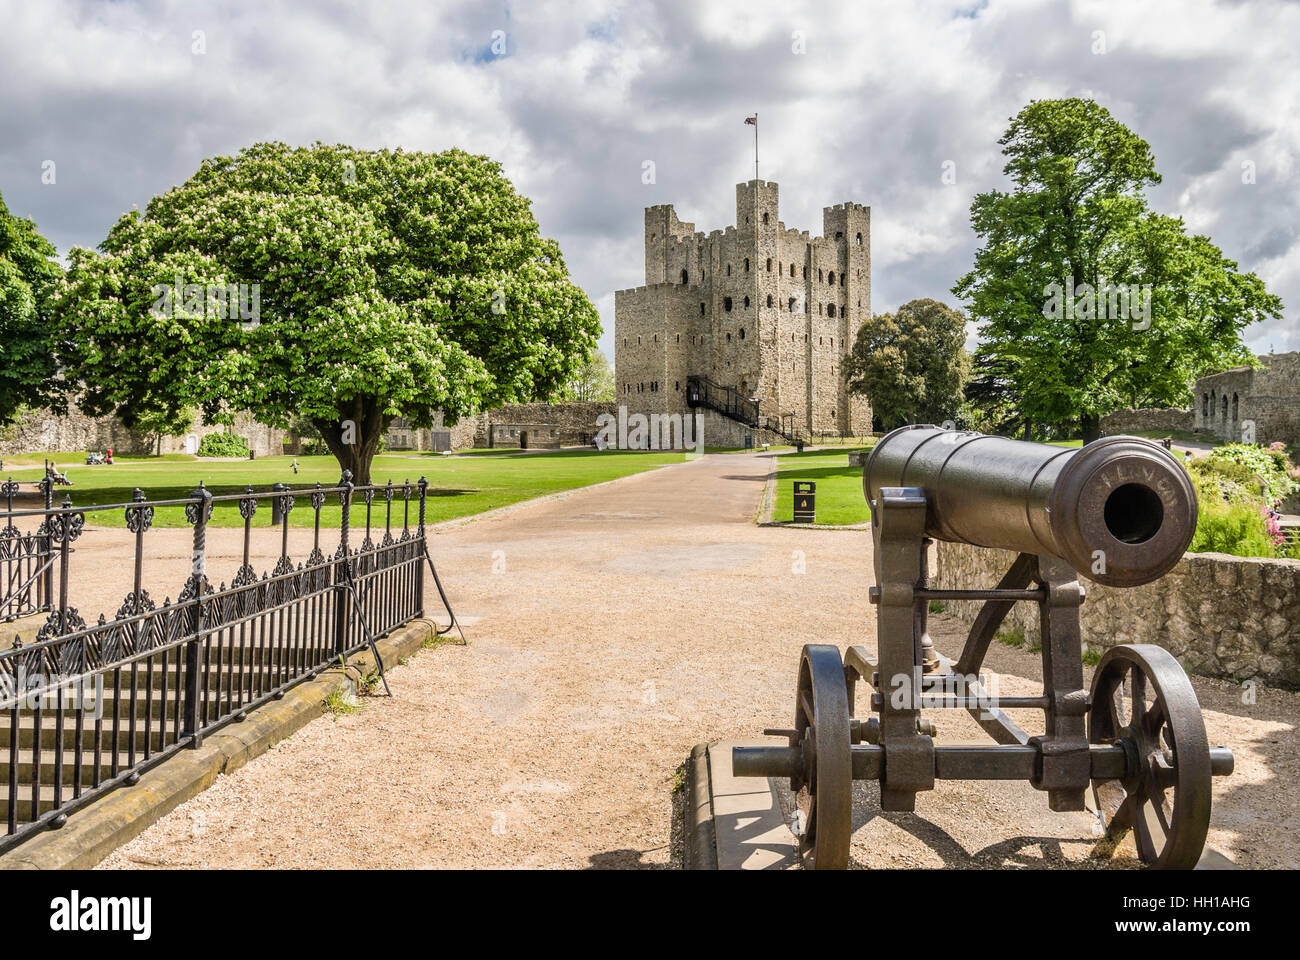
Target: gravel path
[{"x": 610, "y": 631}]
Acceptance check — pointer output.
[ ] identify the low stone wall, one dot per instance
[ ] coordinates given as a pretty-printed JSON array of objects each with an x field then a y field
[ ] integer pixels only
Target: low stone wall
[
  {"x": 50, "y": 432},
  {"x": 574, "y": 423},
  {"x": 1151, "y": 418},
  {"x": 1237, "y": 618}
]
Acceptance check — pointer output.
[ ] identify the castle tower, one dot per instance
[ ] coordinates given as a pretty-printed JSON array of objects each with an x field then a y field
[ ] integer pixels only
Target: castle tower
[{"x": 764, "y": 310}]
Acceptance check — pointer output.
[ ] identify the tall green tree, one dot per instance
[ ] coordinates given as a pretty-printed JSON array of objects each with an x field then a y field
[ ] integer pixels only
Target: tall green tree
[
  {"x": 29, "y": 278},
  {"x": 343, "y": 286},
  {"x": 593, "y": 381},
  {"x": 1087, "y": 300},
  {"x": 154, "y": 424},
  {"x": 911, "y": 364}
]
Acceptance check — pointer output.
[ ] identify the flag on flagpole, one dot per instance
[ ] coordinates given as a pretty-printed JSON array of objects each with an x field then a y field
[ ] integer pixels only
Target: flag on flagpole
[{"x": 753, "y": 119}]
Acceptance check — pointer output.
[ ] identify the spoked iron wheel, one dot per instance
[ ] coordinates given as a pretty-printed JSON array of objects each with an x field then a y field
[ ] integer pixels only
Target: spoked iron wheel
[
  {"x": 1142, "y": 699},
  {"x": 825, "y": 788}
]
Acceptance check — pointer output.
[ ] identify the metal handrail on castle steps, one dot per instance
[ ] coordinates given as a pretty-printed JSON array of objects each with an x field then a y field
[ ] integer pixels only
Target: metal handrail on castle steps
[{"x": 731, "y": 403}]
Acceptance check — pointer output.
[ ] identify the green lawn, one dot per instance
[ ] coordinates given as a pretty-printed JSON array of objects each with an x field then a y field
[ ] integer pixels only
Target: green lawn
[
  {"x": 839, "y": 486},
  {"x": 458, "y": 486}
]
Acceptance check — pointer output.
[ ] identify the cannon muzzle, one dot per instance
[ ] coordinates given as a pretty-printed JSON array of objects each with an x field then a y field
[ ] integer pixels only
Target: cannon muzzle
[{"x": 1121, "y": 510}]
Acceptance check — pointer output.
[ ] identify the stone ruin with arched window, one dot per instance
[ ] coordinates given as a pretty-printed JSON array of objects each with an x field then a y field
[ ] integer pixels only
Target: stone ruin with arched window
[{"x": 1254, "y": 404}]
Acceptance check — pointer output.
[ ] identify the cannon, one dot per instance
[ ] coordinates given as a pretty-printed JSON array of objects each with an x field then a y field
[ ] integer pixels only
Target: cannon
[{"x": 1119, "y": 511}]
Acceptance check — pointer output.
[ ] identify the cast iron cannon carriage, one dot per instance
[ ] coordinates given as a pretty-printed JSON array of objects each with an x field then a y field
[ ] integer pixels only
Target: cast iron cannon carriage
[{"x": 1120, "y": 511}]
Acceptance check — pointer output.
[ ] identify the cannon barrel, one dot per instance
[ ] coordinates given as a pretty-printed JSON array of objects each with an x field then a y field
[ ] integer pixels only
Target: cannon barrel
[{"x": 1120, "y": 510}]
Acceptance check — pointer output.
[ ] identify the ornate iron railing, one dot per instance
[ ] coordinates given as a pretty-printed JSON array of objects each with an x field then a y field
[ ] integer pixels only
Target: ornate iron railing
[
  {"x": 85, "y": 708},
  {"x": 26, "y": 563}
]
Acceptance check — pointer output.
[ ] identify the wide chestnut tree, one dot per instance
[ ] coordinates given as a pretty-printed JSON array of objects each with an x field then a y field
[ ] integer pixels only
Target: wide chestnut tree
[{"x": 341, "y": 286}]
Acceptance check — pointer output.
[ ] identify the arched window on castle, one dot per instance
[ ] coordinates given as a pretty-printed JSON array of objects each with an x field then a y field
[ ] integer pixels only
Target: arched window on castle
[
  {"x": 726, "y": 304},
  {"x": 728, "y": 338},
  {"x": 792, "y": 311},
  {"x": 742, "y": 333},
  {"x": 747, "y": 303},
  {"x": 859, "y": 239},
  {"x": 792, "y": 269},
  {"x": 769, "y": 300},
  {"x": 728, "y": 269},
  {"x": 820, "y": 276},
  {"x": 769, "y": 264},
  {"x": 685, "y": 278},
  {"x": 747, "y": 264},
  {"x": 830, "y": 278},
  {"x": 701, "y": 309},
  {"x": 1205, "y": 402},
  {"x": 830, "y": 309},
  {"x": 765, "y": 218},
  {"x": 841, "y": 279}
]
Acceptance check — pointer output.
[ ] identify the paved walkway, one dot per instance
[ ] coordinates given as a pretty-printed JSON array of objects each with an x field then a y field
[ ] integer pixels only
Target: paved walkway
[{"x": 610, "y": 631}]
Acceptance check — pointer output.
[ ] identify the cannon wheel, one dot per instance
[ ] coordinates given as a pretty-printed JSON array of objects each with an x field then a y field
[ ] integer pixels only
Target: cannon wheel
[
  {"x": 1142, "y": 699},
  {"x": 825, "y": 789}
]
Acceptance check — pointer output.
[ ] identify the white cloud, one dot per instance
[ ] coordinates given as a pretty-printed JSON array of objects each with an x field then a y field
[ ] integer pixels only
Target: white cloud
[{"x": 883, "y": 95}]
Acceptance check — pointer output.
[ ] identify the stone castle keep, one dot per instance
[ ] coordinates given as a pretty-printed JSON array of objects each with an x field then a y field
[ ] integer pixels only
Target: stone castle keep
[{"x": 766, "y": 310}]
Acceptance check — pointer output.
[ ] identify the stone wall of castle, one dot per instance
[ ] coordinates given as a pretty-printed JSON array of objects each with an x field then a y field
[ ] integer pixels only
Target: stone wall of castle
[
  {"x": 768, "y": 310},
  {"x": 1237, "y": 618},
  {"x": 1232, "y": 404},
  {"x": 44, "y": 431},
  {"x": 1150, "y": 418},
  {"x": 1255, "y": 405}
]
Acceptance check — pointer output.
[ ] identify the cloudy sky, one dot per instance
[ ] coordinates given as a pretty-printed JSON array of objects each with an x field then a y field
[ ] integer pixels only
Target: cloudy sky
[{"x": 862, "y": 100}]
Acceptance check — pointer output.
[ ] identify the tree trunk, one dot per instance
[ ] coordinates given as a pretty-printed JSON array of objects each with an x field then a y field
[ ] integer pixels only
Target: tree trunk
[
  {"x": 363, "y": 425},
  {"x": 1091, "y": 424}
]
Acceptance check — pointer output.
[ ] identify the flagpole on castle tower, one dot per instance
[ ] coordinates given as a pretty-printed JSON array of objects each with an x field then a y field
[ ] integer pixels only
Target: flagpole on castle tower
[{"x": 754, "y": 121}]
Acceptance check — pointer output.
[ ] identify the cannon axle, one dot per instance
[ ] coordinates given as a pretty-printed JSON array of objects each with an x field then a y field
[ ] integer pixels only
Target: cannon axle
[{"x": 956, "y": 762}]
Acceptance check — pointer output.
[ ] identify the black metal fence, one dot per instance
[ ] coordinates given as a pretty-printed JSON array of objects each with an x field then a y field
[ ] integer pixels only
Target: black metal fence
[
  {"x": 26, "y": 563},
  {"x": 86, "y": 708}
]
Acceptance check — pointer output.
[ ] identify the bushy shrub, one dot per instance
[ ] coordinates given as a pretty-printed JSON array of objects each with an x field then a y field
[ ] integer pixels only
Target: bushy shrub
[
  {"x": 223, "y": 445},
  {"x": 1239, "y": 529},
  {"x": 1268, "y": 469},
  {"x": 1237, "y": 485}
]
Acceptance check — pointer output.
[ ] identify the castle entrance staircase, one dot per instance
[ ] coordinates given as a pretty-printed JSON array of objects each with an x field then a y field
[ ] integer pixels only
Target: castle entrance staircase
[{"x": 731, "y": 403}]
